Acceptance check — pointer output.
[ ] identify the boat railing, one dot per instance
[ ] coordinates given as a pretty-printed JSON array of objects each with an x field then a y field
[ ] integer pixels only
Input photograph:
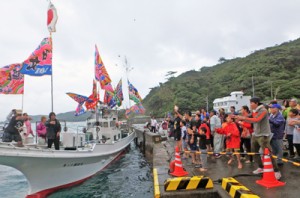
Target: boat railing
[
  {"x": 65, "y": 128},
  {"x": 44, "y": 148}
]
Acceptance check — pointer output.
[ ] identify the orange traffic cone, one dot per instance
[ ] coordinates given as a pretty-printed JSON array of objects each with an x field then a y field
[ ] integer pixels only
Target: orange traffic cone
[
  {"x": 269, "y": 180},
  {"x": 179, "y": 171}
]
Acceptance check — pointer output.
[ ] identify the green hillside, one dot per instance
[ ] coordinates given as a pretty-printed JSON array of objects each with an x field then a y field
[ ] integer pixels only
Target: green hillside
[
  {"x": 277, "y": 67},
  {"x": 67, "y": 116}
]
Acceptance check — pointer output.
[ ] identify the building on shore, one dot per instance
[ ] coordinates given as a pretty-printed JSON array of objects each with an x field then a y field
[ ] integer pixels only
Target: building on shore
[{"x": 236, "y": 99}]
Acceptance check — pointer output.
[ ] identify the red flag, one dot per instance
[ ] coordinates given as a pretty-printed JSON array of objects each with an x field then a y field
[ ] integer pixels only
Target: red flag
[
  {"x": 51, "y": 17},
  {"x": 94, "y": 97}
]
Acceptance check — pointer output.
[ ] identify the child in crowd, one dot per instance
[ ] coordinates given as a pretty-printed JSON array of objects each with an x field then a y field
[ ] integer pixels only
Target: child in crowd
[
  {"x": 296, "y": 134},
  {"x": 289, "y": 130},
  {"x": 184, "y": 138},
  {"x": 28, "y": 125},
  {"x": 193, "y": 143},
  {"x": 207, "y": 132},
  {"x": 202, "y": 145},
  {"x": 232, "y": 139}
]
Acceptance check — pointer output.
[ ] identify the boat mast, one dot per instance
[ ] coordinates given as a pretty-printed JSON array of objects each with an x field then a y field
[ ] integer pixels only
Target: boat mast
[
  {"x": 127, "y": 69},
  {"x": 51, "y": 75}
]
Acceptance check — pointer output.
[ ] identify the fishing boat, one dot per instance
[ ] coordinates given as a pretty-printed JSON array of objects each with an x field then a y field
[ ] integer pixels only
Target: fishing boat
[
  {"x": 82, "y": 153},
  {"x": 48, "y": 170}
]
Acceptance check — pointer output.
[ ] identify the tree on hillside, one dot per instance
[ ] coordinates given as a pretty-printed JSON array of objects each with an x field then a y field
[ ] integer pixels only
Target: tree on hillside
[
  {"x": 170, "y": 74},
  {"x": 222, "y": 60}
]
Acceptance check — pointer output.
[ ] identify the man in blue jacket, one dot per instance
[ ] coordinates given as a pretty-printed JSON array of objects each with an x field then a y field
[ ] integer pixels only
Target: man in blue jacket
[{"x": 277, "y": 125}]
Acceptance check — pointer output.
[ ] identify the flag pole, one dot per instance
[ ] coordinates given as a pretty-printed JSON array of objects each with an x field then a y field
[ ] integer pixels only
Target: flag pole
[
  {"x": 51, "y": 74},
  {"x": 23, "y": 94}
]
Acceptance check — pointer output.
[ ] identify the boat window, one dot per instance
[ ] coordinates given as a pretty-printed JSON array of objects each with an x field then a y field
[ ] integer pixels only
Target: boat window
[
  {"x": 105, "y": 124},
  {"x": 113, "y": 123}
]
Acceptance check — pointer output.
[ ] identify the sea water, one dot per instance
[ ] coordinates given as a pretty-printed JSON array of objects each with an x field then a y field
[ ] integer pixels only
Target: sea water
[{"x": 130, "y": 176}]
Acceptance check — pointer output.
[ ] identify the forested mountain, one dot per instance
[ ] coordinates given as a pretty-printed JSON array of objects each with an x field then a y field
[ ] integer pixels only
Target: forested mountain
[
  {"x": 275, "y": 68},
  {"x": 67, "y": 116}
]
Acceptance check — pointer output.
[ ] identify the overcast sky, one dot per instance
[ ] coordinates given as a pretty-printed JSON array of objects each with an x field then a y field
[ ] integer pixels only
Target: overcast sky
[{"x": 156, "y": 36}]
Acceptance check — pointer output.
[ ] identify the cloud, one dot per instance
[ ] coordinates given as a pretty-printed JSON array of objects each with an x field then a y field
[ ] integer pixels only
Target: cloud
[{"x": 156, "y": 37}]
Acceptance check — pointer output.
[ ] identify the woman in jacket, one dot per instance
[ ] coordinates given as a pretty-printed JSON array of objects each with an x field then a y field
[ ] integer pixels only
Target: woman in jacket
[{"x": 53, "y": 131}]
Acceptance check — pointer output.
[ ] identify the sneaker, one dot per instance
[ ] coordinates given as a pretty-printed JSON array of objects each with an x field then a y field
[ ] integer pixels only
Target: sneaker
[
  {"x": 218, "y": 156},
  {"x": 258, "y": 171},
  {"x": 278, "y": 175},
  {"x": 248, "y": 162},
  {"x": 198, "y": 166},
  {"x": 279, "y": 163}
]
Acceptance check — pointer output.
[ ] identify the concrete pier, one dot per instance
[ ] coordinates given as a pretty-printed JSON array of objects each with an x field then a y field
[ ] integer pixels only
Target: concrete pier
[{"x": 159, "y": 153}]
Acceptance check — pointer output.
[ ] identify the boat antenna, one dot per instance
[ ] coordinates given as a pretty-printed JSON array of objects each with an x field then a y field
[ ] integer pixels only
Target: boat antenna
[{"x": 128, "y": 68}]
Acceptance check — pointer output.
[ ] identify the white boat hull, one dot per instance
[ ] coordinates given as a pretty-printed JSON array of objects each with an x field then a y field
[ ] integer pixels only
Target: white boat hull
[{"x": 47, "y": 170}]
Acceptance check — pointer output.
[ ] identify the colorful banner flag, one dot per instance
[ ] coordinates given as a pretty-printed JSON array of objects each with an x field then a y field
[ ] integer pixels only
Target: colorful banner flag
[
  {"x": 94, "y": 97},
  {"x": 79, "y": 110},
  {"x": 134, "y": 94},
  {"x": 109, "y": 99},
  {"x": 101, "y": 74},
  {"x": 11, "y": 80},
  {"x": 141, "y": 108},
  {"x": 128, "y": 112},
  {"x": 108, "y": 87},
  {"x": 79, "y": 98},
  {"x": 39, "y": 62},
  {"x": 137, "y": 109},
  {"x": 51, "y": 17},
  {"x": 119, "y": 93}
]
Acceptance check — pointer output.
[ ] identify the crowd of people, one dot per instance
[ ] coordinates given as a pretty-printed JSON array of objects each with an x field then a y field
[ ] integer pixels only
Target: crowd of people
[
  {"x": 48, "y": 131},
  {"x": 250, "y": 129}
]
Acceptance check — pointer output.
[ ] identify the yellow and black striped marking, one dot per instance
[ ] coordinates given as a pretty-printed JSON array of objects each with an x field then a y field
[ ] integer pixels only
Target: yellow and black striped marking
[
  {"x": 156, "y": 184},
  {"x": 188, "y": 183},
  {"x": 236, "y": 189}
]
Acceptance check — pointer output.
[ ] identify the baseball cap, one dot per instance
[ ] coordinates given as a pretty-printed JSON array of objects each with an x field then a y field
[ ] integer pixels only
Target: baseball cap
[
  {"x": 275, "y": 106},
  {"x": 18, "y": 111}
]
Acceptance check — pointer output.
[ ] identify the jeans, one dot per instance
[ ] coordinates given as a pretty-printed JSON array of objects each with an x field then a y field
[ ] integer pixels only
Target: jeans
[
  {"x": 258, "y": 143},
  {"x": 218, "y": 142},
  {"x": 203, "y": 158},
  {"x": 277, "y": 145},
  {"x": 291, "y": 145}
]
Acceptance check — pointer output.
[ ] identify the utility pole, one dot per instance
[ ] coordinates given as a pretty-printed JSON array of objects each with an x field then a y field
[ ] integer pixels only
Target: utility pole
[
  {"x": 253, "y": 86},
  {"x": 207, "y": 103},
  {"x": 271, "y": 90}
]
